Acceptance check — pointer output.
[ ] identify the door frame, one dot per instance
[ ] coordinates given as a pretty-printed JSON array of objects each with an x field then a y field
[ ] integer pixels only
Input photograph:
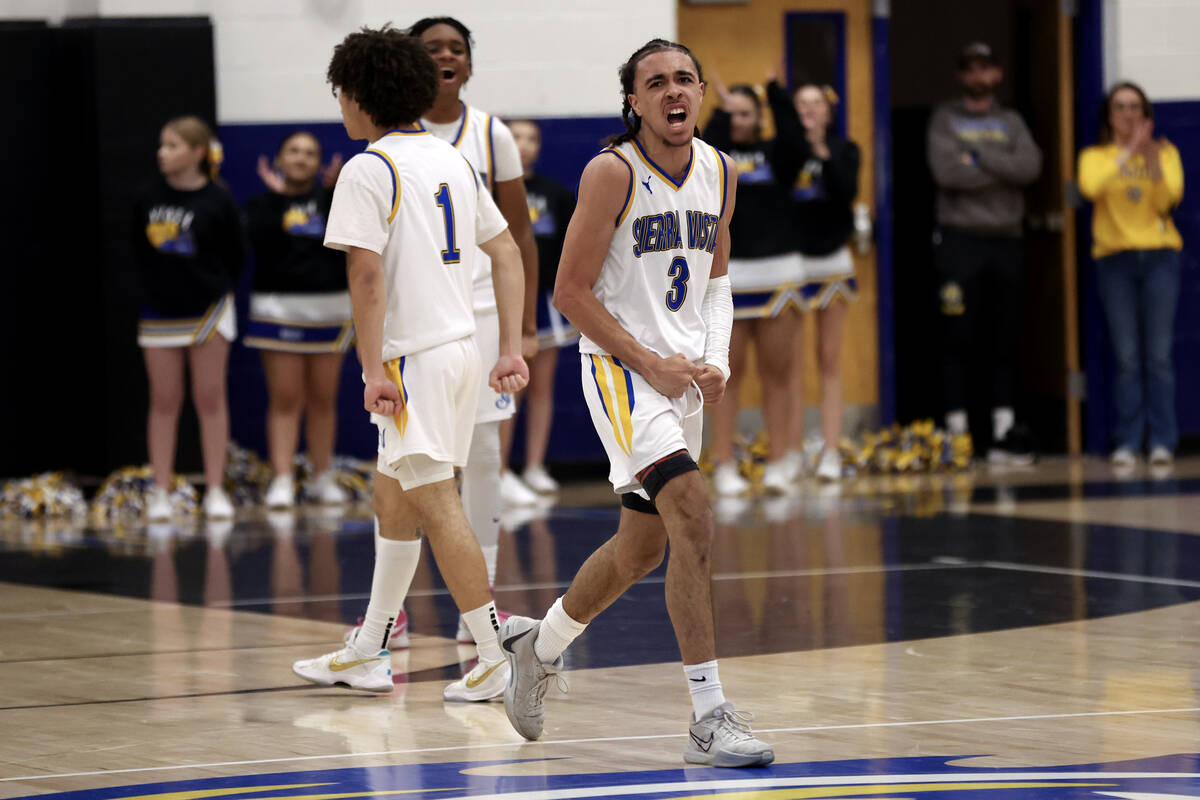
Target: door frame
[{"x": 884, "y": 257}]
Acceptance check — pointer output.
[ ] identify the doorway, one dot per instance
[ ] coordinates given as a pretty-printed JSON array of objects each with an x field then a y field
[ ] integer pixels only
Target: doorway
[{"x": 1026, "y": 37}]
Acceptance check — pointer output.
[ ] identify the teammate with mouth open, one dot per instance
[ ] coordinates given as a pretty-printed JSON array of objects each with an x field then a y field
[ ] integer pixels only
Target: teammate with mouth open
[{"x": 643, "y": 277}]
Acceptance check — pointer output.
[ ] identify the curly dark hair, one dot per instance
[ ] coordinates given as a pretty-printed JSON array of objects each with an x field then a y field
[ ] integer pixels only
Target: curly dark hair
[
  {"x": 633, "y": 123},
  {"x": 386, "y": 72},
  {"x": 422, "y": 25}
]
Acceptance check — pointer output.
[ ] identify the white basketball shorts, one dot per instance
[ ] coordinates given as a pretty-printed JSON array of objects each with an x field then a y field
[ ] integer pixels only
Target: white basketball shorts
[
  {"x": 636, "y": 424},
  {"x": 438, "y": 391}
]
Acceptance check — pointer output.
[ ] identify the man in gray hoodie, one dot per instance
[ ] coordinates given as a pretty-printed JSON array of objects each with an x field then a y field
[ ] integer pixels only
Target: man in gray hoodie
[{"x": 982, "y": 157}]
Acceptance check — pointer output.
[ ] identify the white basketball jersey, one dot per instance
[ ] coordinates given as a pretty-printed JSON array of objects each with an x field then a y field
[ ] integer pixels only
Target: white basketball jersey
[
  {"x": 413, "y": 199},
  {"x": 488, "y": 145},
  {"x": 656, "y": 272}
]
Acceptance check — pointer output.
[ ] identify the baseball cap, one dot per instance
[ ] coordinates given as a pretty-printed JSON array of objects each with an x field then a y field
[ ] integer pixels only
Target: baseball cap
[{"x": 976, "y": 51}]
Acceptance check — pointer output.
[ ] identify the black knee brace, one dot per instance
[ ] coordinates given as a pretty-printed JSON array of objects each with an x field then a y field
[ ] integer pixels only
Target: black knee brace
[
  {"x": 635, "y": 502},
  {"x": 655, "y": 476}
]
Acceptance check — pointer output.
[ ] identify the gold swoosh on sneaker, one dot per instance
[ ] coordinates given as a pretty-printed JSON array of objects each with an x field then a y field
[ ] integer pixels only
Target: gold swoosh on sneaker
[
  {"x": 339, "y": 666},
  {"x": 473, "y": 682}
]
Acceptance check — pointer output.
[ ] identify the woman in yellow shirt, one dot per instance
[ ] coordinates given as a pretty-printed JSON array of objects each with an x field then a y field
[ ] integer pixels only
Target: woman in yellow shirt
[{"x": 1136, "y": 181}]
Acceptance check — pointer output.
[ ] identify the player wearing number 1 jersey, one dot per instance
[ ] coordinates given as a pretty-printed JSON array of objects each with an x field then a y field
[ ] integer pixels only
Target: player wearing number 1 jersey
[
  {"x": 643, "y": 276},
  {"x": 410, "y": 213}
]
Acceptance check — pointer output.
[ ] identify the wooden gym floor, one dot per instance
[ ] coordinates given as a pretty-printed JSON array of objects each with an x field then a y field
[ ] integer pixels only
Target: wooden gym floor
[{"x": 1024, "y": 634}]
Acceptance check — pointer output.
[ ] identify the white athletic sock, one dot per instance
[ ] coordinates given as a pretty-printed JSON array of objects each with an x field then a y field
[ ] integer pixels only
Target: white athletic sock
[
  {"x": 485, "y": 628},
  {"x": 395, "y": 565},
  {"x": 1002, "y": 422},
  {"x": 489, "y": 559},
  {"x": 481, "y": 485},
  {"x": 705, "y": 686},
  {"x": 556, "y": 633},
  {"x": 956, "y": 421}
]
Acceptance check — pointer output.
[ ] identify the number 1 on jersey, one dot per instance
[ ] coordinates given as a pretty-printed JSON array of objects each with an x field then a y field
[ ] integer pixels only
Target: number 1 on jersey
[
  {"x": 679, "y": 274},
  {"x": 451, "y": 255}
]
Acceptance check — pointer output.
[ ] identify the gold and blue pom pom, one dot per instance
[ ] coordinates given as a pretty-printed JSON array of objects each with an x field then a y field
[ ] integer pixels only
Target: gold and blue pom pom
[
  {"x": 916, "y": 449},
  {"x": 46, "y": 496},
  {"x": 124, "y": 493},
  {"x": 246, "y": 476}
]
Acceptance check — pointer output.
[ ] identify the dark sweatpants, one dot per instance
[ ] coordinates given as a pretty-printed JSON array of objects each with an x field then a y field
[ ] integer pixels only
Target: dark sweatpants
[{"x": 979, "y": 290}]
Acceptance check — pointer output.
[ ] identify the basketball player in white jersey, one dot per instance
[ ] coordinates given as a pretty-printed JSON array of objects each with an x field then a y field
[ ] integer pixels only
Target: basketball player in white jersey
[
  {"x": 488, "y": 145},
  {"x": 411, "y": 213},
  {"x": 644, "y": 277}
]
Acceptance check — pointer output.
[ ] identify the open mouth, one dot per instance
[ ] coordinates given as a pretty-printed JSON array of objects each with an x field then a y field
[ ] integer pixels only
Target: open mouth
[
  {"x": 448, "y": 74},
  {"x": 676, "y": 116}
]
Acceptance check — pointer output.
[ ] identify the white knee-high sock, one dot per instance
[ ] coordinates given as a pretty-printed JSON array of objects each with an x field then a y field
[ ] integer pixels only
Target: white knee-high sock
[
  {"x": 556, "y": 633},
  {"x": 489, "y": 560},
  {"x": 395, "y": 565},
  {"x": 481, "y": 487}
]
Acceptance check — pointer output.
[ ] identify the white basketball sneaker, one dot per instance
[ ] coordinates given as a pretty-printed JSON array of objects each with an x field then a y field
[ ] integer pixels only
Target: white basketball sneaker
[
  {"x": 829, "y": 468},
  {"x": 485, "y": 681},
  {"x": 777, "y": 477},
  {"x": 514, "y": 492},
  {"x": 324, "y": 490},
  {"x": 350, "y": 667},
  {"x": 217, "y": 504},
  {"x": 727, "y": 481},
  {"x": 724, "y": 739},
  {"x": 539, "y": 480},
  {"x": 158, "y": 504},
  {"x": 282, "y": 492}
]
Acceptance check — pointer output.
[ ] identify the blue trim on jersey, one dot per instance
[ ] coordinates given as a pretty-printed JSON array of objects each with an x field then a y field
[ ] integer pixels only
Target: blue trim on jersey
[
  {"x": 628, "y": 383},
  {"x": 724, "y": 178},
  {"x": 491, "y": 154},
  {"x": 628, "y": 192},
  {"x": 662, "y": 173},
  {"x": 407, "y": 131},
  {"x": 462, "y": 126},
  {"x": 392, "y": 172},
  {"x": 478, "y": 183}
]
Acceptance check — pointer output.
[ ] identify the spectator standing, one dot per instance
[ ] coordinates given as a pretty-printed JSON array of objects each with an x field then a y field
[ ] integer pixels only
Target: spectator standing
[
  {"x": 1136, "y": 182},
  {"x": 982, "y": 156}
]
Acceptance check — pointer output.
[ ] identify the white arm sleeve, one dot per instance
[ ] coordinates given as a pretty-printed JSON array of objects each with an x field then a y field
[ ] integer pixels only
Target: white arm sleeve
[{"x": 717, "y": 313}]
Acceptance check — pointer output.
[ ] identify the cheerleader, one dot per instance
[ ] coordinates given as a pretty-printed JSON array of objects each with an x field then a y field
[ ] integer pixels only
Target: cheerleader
[
  {"x": 764, "y": 271},
  {"x": 824, "y": 219},
  {"x": 299, "y": 314},
  {"x": 189, "y": 253}
]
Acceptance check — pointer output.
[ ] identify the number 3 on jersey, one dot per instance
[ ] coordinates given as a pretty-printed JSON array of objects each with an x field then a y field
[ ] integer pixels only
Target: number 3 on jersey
[
  {"x": 678, "y": 273},
  {"x": 451, "y": 255}
]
